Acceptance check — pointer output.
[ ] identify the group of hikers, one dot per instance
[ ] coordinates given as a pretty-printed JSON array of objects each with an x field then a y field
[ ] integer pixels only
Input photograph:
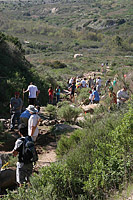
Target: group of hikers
[
  {"x": 29, "y": 119},
  {"x": 54, "y": 95},
  {"x": 95, "y": 84}
]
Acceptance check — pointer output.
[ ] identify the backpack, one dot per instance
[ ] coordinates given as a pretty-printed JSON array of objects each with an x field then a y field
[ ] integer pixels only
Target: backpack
[{"x": 29, "y": 153}]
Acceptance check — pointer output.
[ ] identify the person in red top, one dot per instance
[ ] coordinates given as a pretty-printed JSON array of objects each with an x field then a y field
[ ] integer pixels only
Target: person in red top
[{"x": 50, "y": 92}]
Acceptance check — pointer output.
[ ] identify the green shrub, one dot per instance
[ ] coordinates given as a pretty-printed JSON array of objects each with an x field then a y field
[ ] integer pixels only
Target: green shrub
[
  {"x": 65, "y": 143},
  {"x": 83, "y": 95},
  {"x": 51, "y": 110},
  {"x": 97, "y": 162},
  {"x": 68, "y": 113}
]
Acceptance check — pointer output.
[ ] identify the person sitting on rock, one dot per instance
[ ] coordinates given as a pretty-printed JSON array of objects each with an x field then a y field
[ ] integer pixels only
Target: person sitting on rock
[{"x": 122, "y": 96}]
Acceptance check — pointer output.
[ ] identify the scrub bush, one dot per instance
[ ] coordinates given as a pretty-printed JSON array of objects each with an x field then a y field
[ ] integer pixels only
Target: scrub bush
[
  {"x": 68, "y": 113},
  {"x": 97, "y": 162}
]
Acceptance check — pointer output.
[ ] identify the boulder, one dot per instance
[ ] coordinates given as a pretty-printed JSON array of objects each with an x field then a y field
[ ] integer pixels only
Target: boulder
[
  {"x": 64, "y": 127},
  {"x": 7, "y": 178},
  {"x": 89, "y": 108}
]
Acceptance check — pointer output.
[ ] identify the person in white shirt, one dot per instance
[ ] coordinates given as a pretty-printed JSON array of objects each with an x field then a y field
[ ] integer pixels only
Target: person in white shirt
[
  {"x": 99, "y": 81},
  {"x": 33, "y": 122},
  {"x": 83, "y": 82},
  {"x": 122, "y": 96},
  {"x": 33, "y": 93}
]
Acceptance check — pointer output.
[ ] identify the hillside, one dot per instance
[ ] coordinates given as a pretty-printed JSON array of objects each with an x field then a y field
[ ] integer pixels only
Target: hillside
[
  {"x": 38, "y": 43},
  {"x": 15, "y": 72},
  {"x": 56, "y": 30}
]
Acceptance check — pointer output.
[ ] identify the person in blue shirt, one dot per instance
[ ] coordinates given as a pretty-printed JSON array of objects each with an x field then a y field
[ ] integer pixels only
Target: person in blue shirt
[
  {"x": 24, "y": 117},
  {"x": 95, "y": 97},
  {"x": 57, "y": 94}
]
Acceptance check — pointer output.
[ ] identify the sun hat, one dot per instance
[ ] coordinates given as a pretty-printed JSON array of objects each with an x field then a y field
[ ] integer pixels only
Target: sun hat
[{"x": 32, "y": 109}]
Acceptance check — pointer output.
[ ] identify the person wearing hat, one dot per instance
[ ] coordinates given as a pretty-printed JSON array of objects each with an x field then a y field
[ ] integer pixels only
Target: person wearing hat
[
  {"x": 15, "y": 110},
  {"x": 122, "y": 96},
  {"x": 33, "y": 122},
  {"x": 24, "y": 117}
]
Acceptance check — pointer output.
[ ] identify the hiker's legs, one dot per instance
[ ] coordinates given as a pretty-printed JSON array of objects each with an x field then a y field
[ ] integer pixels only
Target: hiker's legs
[
  {"x": 58, "y": 98},
  {"x": 23, "y": 173},
  {"x": 32, "y": 101},
  {"x": 12, "y": 123},
  {"x": 18, "y": 118},
  {"x": 34, "y": 138},
  {"x": 51, "y": 99}
]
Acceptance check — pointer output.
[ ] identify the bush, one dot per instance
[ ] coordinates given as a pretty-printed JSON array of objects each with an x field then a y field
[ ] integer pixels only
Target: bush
[
  {"x": 68, "y": 113},
  {"x": 65, "y": 143},
  {"x": 97, "y": 162},
  {"x": 51, "y": 110},
  {"x": 83, "y": 95}
]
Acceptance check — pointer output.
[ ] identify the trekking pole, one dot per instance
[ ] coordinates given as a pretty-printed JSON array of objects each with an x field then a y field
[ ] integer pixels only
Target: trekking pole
[
  {"x": 23, "y": 94},
  {"x": 5, "y": 165}
]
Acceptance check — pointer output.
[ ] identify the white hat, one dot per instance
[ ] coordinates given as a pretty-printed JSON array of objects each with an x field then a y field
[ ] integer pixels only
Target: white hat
[{"x": 32, "y": 109}]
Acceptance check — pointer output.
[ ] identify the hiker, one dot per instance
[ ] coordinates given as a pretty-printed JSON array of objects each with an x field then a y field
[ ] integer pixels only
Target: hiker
[
  {"x": 90, "y": 81},
  {"x": 98, "y": 87},
  {"x": 15, "y": 110},
  {"x": 33, "y": 122},
  {"x": 33, "y": 93},
  {"x": 72, "y": 89},
  {"x": 122, "y": 96},
  {"x": 57, "y": 94},
  {"x": 83, "y": 82},
  {"x": 90, "y": 97},
  {"x": 107, "y": 84},
  {"x": 114, "y": 82},
  {"x": 112, "y": 96},
  {"x": 50, "y": 92},
  {"x": 95, "y": 98},
  {"x": 23, "y": 171},
  {"x": 24, "y": 117},
  {"x": 99, "y": 81},
  {"x": 71, "y": 81}
]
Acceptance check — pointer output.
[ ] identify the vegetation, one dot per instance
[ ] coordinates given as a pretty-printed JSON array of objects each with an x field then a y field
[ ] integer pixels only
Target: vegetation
[
  {"x": 95, "y": 163},
  {"x": 69, "y": 113},
  {"x": 38, "y": 41}
]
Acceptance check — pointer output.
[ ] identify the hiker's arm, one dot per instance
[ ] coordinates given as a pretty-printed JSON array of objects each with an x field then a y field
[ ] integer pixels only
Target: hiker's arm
[
  {"x": 34, "y": 127},
  {"x": 33, "y": 130},
  {"x": 15, "y": 153},
  {"x": 26, "y": 91}
]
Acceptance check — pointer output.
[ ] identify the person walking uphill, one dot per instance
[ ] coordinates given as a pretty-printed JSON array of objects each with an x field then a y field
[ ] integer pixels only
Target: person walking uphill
[
  {"x": 57, "y": 94},
  {"x": 33, "y": 122},
  {"x": 24, "y": 168},
  {"x": 33, "y": 93},
  {"x": 50, "y": 93},
  {"x": 15, "y": 109}
]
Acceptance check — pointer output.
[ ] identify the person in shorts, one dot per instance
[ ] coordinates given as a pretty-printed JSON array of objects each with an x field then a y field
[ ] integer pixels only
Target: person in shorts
[
  {"x": 33, "y": 93},
  {"x": 23, "y": 171}
]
